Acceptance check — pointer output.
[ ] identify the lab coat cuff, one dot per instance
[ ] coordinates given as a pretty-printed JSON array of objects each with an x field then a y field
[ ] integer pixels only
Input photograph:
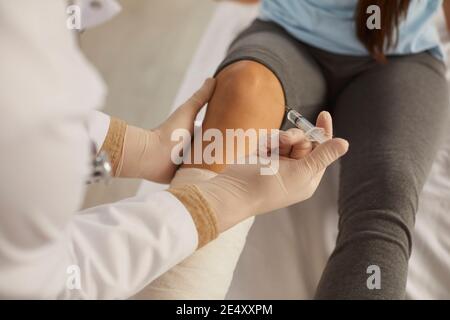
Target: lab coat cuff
[
  {"x": 186, "y": 227},
  {"x": 97, "y": 125}
]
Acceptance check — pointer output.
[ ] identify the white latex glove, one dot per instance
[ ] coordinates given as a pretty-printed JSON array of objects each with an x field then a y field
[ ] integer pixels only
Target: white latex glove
[
  {"x": 147, "y": 153},
  {"x": 241, "y": 191}
]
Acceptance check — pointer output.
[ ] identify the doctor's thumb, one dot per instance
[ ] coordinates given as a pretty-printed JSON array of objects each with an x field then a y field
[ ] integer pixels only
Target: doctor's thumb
[
  {"x": 201, "y": 97},
  {"x": 324, "y": 155}
]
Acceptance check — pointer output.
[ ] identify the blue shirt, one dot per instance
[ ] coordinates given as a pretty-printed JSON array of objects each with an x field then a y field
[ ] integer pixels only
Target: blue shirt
[{"x": 330, "y": 25}]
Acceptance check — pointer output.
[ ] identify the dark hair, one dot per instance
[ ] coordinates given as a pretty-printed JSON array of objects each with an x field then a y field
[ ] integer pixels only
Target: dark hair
[{"x": 377, "y": 40}]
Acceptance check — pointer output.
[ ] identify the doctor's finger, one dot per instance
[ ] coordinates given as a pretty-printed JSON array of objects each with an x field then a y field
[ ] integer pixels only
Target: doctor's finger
[
  {"x": 294, "y": 144},
  {"x": 201, "y": 97},
  {"x": 323, "y": 156},
  {"x": 325, "y": 121}
]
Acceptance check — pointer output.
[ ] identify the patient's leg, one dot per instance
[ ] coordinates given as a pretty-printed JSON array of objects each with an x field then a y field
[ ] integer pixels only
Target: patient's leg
[
  {"x": 247, "y": 96},
  {"x": 393, "y": 116}
]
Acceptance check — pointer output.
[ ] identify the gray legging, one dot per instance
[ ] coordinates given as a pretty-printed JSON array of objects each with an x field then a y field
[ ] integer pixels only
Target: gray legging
[{"x": 393, "y": 116}]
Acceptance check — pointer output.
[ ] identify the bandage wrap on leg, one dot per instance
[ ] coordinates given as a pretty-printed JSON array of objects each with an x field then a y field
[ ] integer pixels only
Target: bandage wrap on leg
[{"x": 207, "y": 274}]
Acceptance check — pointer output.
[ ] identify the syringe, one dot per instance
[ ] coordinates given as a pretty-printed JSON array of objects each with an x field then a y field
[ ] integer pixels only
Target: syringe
[{"x": 313, "y": 133}]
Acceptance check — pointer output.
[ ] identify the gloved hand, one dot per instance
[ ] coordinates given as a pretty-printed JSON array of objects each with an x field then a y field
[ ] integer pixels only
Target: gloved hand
[
  {"x": 241, "y": 191},
  {"x": 147, "y": 153}
]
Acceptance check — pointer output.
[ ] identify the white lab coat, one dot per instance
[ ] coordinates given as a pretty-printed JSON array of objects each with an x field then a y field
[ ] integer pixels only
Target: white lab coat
[{"x": 48, "y": 95}]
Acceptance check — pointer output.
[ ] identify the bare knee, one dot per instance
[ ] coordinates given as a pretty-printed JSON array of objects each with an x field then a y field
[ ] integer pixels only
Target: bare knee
[
  {"x": 247, "y": 90},
  {"x": 247, "y": 96},
  {"x": 250, "y": 79}
]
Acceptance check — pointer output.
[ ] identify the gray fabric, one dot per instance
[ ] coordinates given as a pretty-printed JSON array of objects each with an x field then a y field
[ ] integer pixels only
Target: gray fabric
[{"x": 393, "y": 116}]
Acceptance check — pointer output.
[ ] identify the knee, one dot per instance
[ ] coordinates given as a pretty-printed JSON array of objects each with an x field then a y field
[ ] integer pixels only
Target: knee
[
  {"x": 249, "y": 83},
  {"x": 247, "y": 96}
]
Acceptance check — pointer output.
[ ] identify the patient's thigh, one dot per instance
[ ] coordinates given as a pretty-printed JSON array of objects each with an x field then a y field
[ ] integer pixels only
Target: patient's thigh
[{"x": 393, "y": 117}]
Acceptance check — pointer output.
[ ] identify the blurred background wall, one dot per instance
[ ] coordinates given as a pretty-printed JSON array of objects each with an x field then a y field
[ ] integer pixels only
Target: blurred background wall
[{"x": 142, "y": 55}]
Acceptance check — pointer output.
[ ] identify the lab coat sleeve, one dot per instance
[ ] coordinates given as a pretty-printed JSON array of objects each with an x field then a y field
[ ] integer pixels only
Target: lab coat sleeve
[
  {"x": 47, "y": 249},
  {"x": 121, "y": 247},
  {"x": 96, "y": 12},
  {"x": 97, "y": 126}
]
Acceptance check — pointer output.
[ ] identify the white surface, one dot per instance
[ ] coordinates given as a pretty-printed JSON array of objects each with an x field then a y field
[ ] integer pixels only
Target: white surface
[{"x": 286, "y": 252}]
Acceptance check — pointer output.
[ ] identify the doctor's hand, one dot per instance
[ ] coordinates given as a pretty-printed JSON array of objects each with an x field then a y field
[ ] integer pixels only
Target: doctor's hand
[
  {"x": 147, "y": 153},
  {"x": 241, "y": 191}
]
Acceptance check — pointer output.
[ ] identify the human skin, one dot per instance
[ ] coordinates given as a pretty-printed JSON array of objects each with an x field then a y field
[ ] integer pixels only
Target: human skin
[{"x": 247, "y": 96}]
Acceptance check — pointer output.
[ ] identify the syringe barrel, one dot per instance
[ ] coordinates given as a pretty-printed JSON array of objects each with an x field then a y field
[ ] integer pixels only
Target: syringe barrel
[{"x": 312, "y": 132}]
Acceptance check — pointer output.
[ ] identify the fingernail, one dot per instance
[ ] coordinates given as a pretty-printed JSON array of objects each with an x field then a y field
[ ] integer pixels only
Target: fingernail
[{"x": 326, "y": 114}]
